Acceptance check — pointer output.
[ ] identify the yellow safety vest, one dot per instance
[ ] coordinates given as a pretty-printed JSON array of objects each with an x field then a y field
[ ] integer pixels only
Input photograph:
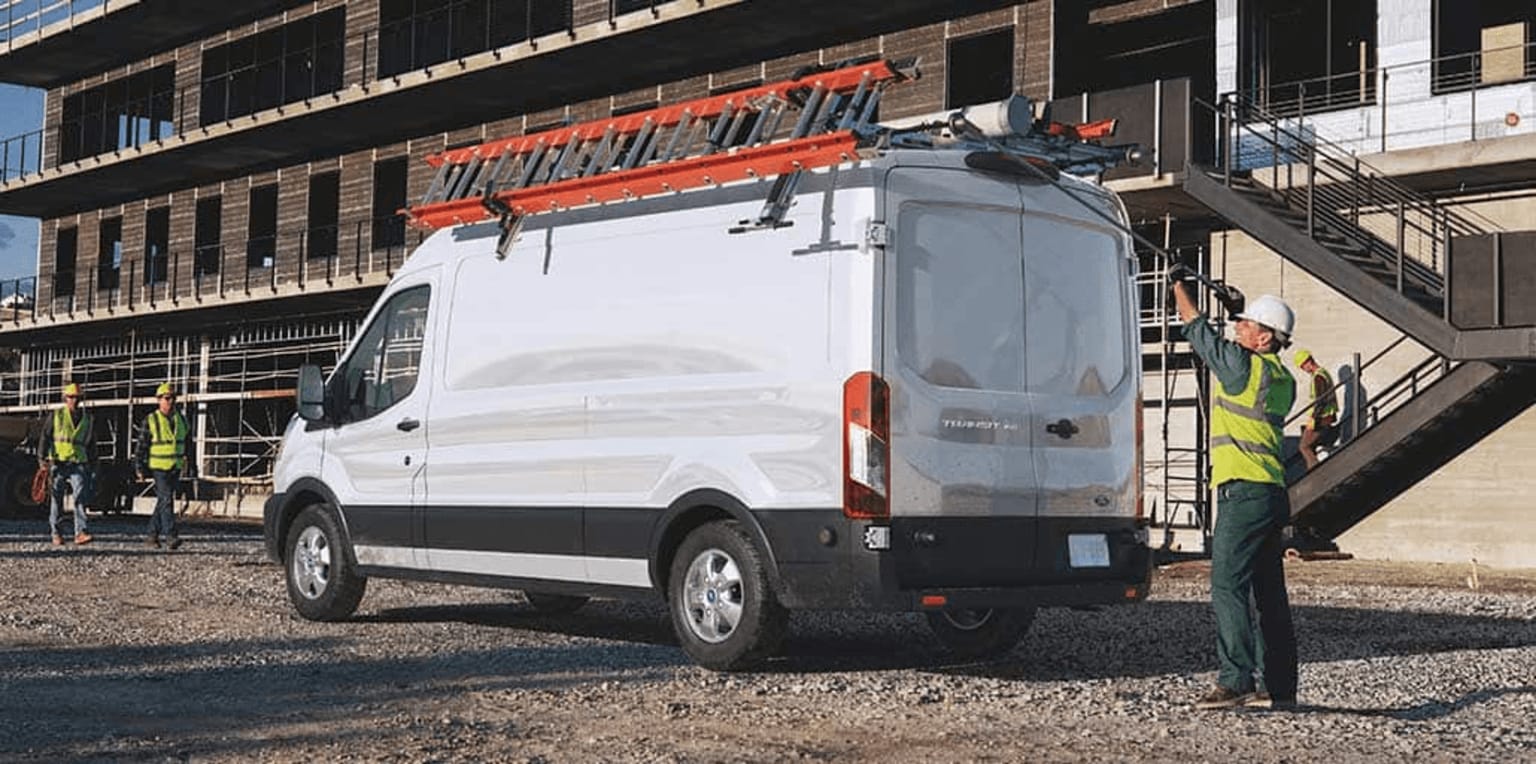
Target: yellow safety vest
[
  {"x": 1325, "y": 407},
  {"x": 1246, "y": 428},
  {"x": 167, "y": 440},
  {"x": 71, "y": 439}
]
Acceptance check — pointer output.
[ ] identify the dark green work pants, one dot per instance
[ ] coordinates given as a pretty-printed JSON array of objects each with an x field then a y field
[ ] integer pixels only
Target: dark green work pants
[{"x": 1246, "y": 563}]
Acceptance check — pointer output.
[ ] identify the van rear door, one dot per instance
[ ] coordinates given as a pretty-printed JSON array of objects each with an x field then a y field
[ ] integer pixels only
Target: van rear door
[{"x": 964, "y": 483}]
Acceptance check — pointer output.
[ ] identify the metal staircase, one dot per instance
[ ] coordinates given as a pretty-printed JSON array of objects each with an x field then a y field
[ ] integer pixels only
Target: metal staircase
[{"x": 1386, "y": 248}]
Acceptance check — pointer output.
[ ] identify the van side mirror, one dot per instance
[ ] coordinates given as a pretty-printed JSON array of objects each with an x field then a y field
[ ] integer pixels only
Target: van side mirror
[{"x": 311, "y": 393}]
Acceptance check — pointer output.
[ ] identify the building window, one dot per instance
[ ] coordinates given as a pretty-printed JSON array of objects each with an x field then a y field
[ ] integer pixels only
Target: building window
[
  {"x": 1305, "y": 56},
  {"x": 1482, "y": 42},
  {"x": 324, "y": 205},
  {"x": 388, "y": 199},
  {"x": 630, "y": 6},
  {"x": 157, "y": 245},
  {"x": 292, "y": 62},
  {"x": 109, "y": 254},
  {"x": 980, "y": 69},
  {"x": 261, "y": 231},
  {"x": 206, "y": 235},
  {"x": 123, "y": 113},
  {"x": 65, "y": 250},
  {"x": 414, "y": 34}
]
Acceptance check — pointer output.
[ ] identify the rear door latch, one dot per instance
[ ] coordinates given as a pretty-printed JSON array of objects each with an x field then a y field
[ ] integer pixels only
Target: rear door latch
[{"x": 1063, "y": 429}]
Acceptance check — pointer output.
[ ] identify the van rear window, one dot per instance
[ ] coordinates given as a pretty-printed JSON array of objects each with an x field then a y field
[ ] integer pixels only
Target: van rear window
[
  {"x": 1075, "y": 281},
  {"x": 992, "y": 299},
  {"x": 959, "y": 304}
]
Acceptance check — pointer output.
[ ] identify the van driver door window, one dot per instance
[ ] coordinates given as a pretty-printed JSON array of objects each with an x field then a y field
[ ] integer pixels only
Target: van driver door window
[{"x": 379, "y": 395}]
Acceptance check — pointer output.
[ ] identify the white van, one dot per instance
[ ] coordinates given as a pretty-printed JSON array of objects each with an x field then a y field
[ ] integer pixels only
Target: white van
[{"x": 923, "y": 394}]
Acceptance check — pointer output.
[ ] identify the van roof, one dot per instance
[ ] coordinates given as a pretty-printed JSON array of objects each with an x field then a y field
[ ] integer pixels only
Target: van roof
[{"x": 1056, "y": 198}]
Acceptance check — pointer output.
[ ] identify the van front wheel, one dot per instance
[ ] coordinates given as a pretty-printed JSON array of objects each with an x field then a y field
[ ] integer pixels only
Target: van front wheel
[
  {"x": 322, "y": 582},
  {"x": 722, "y": 603},
  {"x": 980, "y": 633}
]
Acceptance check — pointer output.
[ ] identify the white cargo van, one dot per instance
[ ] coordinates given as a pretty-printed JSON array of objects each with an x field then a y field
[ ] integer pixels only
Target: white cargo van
[{"x": 924, "y": 394}]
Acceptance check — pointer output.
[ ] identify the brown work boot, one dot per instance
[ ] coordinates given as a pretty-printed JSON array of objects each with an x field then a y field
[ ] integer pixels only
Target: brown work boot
[
  {"x": 174, "y": 542},
  {"x": 1222, "y": 697},
  {"x": 58, "y": 540},
  {"x": 82, "y": 538},
  {"x": 152, "y": 541}
]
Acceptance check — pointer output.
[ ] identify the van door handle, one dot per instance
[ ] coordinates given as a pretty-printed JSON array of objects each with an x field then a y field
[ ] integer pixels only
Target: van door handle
[
  {"x": 1064, "y": 429},
  {"x": 408, "y": 424}
]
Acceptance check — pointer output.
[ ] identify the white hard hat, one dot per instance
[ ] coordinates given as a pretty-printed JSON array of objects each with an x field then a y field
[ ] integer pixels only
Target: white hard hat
[{"x": 1271, "y": 311}]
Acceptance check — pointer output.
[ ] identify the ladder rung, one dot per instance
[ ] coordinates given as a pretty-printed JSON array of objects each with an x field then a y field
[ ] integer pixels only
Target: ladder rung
[{"x": 677, "y": 139}]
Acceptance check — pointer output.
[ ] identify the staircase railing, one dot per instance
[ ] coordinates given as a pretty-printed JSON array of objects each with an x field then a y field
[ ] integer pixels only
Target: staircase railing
[
  {"x": 1363, "y": 414},
  {"x": 1336, "y": 194}
]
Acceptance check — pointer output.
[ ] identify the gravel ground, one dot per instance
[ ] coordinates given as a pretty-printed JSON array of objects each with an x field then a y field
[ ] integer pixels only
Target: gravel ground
[{"x": 118, "y": 652}]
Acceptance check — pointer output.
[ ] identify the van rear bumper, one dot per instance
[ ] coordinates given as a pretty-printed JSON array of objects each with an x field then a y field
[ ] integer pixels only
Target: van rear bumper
[{"x": 968, "y": 562}]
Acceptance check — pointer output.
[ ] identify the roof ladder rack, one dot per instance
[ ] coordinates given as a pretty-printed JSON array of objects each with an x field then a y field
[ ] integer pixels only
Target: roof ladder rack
[{"x": 705, "y": 142}]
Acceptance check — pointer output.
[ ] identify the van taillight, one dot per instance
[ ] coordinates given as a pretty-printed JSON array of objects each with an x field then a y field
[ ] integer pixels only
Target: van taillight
[{"x": 866, "y": 447}]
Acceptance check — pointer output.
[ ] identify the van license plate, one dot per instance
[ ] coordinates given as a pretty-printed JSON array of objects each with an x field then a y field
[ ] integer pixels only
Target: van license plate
[{"x": 1087, "y": 550}]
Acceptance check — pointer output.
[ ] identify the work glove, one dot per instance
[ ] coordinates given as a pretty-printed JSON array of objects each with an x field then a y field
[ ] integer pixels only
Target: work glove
[{"x": 1231, "y": 299}]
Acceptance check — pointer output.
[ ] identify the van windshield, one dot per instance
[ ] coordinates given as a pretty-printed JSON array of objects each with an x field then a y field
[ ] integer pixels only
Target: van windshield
[{"x": 989, "y": 299}]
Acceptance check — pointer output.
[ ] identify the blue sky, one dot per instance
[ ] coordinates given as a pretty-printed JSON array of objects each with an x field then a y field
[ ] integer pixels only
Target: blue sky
[{"x": 21, "y": 112}]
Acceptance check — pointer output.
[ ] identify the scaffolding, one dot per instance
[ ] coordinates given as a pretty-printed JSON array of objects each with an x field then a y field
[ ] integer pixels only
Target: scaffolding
[{"x": 236, "y": 383}]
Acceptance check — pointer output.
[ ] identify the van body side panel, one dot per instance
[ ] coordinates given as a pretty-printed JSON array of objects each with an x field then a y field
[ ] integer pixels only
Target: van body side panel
[
  {"x": 608, "y": 366},
  {"x": 725, "y": 362}
]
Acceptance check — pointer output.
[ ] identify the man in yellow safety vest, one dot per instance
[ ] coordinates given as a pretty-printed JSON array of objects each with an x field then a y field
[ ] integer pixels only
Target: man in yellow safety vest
[
  {"x": 1253, "y": 395},
  {"x": 67, "y": 446},
  {"x": 165, "y": 452},
  {"x": 1321, "y": 428}
]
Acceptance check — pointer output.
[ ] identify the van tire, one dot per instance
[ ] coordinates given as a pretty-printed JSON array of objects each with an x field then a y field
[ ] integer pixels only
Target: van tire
[
  {"x": 722, "y": 603},
  {"x": 323, "y": 582},
  {"x": 980, "y": 633},
  {"x": 555, "y": 604}
]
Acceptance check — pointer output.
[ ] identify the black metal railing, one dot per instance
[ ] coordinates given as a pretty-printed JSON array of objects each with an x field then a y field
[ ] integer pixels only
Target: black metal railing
[
  {"x": 1365, "y": 410},
  {"x": 326, "y": 257},
  {"x": 21, "y": 155},
  {"x": 1484, "y": 111},
  {"x": 1318, "y": 94},
  {"x": 24, "y": 17},
  {"x": 1334, "y": 191}
]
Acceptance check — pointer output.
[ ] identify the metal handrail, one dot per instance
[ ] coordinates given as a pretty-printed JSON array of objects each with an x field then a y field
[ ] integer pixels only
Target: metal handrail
[
  {"x": 1346, "y": 158},
  {"x": 1387, "y": 401},
  {"x": 316, "y": 258},
  {"x": 1343, "y": 196}
]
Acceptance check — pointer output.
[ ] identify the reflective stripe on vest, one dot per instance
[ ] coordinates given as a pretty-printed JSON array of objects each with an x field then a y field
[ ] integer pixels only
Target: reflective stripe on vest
[
  {"x": 1327, "y": 402},
  {"x": 167, "y": 440},
  {"x": 71, "y": 439},
  {"x": 1246, "y": 428}
]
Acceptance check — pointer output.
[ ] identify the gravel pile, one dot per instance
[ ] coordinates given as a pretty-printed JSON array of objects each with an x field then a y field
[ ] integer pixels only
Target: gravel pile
[{"x": 120, "y": 652}]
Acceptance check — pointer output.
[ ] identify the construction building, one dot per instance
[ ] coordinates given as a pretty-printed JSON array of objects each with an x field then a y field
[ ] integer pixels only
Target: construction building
[{"x": 219, "y": 188}]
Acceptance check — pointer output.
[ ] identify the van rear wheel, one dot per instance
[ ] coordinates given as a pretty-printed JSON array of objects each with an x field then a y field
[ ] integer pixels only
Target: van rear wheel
[
  {"x": 323, "y": 583},
  {"x": 722, "y": 604},
  {"x": 980, "y": 632}
]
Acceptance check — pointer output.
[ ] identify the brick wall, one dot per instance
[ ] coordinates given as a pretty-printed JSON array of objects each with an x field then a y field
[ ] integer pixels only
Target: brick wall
[{"x": 1030, "y": 21}]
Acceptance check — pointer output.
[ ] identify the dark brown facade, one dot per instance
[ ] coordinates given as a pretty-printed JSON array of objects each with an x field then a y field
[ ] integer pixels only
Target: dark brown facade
[{"x": 362, "y": 254}]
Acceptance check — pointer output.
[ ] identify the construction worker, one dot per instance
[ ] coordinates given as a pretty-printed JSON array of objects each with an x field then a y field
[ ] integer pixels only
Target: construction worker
[
  {"x": 1321, "y": 428},
  {"x": 165, "y": 452},
  {"x": 1249, "y": 405},
  {"x": 67, "y": 447}
]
